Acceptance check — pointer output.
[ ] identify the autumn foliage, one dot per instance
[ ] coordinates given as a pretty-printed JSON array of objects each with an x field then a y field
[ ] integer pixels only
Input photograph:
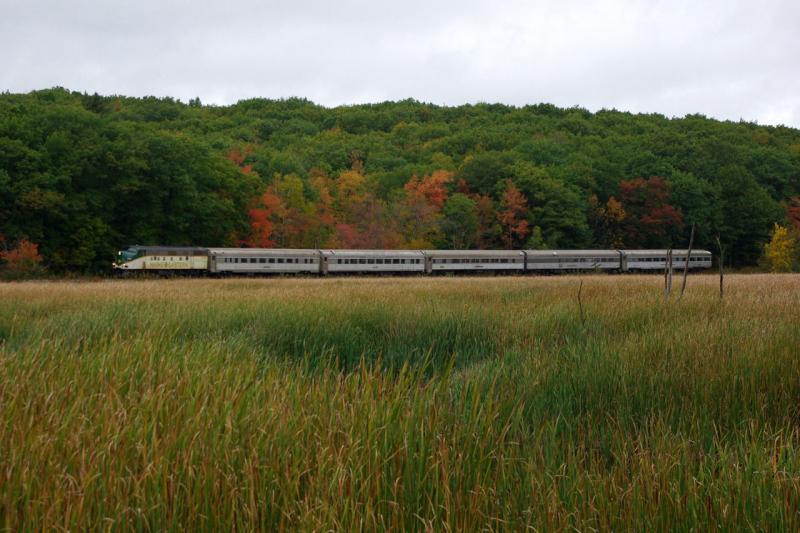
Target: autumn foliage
[
  {"x": 648, "y": 214},
  {"x": 21, "y": 261},
  {"x": 436, "y": 210},
  {"x": 781, "y": 252},
  {"x": 513, "y": 207},
  {"x": 793, "y": 212}
]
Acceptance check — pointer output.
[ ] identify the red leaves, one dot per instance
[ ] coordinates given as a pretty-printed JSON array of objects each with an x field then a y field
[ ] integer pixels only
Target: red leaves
[
  {"x": 646, "y": 210},
  {"x": 793, "y": 211}
]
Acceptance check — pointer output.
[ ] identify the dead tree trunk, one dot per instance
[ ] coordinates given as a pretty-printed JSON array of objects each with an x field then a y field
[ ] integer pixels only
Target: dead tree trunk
[
  {"x": 686, "y": 264},
  {"x": 721, "y": 267},
  {"x": 671, "y": 269},
  {"x": 668, "y": 274}
]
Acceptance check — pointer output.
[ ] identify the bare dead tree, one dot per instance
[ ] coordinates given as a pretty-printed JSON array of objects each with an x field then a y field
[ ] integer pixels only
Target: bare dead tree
[
  {"x": 671, "y": 263},
  {"x": 580, "y": 304},
  {"x": 686, "y": 263},
  {"x": 721, "y": 267},
  {"x": 668, "y": 274}
]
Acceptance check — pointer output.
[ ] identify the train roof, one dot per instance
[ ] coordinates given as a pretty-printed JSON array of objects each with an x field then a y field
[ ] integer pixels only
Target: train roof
[
  {"x": 169, "y": 250},
  {"x": 573, "y": 253},
  {"x": 695, "y": 253},
  {"x": 474, "y": 253},
  {"x": 372, "y": 253},
  {"x": 263, "y": 251}
]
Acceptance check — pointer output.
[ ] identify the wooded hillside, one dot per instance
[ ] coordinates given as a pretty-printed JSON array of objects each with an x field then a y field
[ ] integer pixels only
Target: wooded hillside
[{"x": 84, "y": 175}]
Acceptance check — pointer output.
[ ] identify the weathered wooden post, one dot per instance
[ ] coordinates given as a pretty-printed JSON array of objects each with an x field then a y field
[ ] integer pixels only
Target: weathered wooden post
[
  {"x": 686, "y": 265},
  {"x": 721, "y": 267}
]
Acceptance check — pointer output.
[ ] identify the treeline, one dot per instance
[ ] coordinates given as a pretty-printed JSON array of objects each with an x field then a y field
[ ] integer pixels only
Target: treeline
[{"x": 84, "y": 175}]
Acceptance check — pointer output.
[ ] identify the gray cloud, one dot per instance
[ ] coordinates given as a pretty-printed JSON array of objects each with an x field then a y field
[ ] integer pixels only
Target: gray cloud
[{"x": 727, "y": 59}]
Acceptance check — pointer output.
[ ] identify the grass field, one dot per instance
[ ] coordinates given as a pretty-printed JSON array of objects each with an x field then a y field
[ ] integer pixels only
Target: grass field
[{"x": 411, "y": 403}]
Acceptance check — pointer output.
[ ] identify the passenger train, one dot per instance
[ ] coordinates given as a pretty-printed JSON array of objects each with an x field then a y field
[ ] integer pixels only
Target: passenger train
[{"x": 231, "y": 261}]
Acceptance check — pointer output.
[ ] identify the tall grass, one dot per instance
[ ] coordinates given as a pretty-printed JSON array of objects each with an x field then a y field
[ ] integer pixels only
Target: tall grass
[{"x": 405, "y": 404}]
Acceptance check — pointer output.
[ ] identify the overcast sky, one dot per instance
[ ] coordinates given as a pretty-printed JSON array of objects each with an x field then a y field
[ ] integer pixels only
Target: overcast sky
[{"x": 726, "y": 59}]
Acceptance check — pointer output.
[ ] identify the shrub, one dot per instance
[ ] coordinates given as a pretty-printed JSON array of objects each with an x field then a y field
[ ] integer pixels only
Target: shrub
[{"x": 22, "y": 261}]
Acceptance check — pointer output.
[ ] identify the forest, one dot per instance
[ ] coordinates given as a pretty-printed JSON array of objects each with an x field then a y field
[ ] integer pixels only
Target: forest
[{"x": 82, "y": 176}]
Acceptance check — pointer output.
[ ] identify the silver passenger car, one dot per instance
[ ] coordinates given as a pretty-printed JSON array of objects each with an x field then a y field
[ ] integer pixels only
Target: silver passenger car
[
  {"x": 572, "y": 260},
  {"x": 263, "y": 261},
  {"x": 365, "y": 261},
  {"x": 474, "y": 260},
  {"x": 633, "y": 260}
]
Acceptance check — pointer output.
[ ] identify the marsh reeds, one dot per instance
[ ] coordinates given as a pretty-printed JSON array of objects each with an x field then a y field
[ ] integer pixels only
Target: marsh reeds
[{"x": 399, "y": 404}]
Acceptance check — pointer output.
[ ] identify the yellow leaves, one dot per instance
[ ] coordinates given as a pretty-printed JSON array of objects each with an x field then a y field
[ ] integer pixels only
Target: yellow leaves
[
  {"x": 614, "y": 211},
  {"x": 781, "y": 251}
]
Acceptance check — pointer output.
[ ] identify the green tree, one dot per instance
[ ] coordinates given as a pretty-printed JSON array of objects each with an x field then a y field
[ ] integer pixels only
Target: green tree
[{"x": 460, "y": 222}]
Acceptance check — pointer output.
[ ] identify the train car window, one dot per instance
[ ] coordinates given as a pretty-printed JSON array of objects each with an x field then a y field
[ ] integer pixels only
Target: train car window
[
  {"x": 370, "y": 261},
  {"x": 262, "y": 260},
  {"x": 379, "y": 261},
  {"x": 280, "y": 260},
  {"x": 362, "y": 261},
  {"x": 271, "y": 260}
]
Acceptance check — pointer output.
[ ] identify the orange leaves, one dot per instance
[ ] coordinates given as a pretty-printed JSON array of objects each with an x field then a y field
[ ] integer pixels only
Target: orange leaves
[
  {"x": 21, "y": 261},
  {"x": 261, "y": 220},
  {"x": 238, "y": 155},
  {"x": 432, "y": 187},
  {"x": 513, "y": 208},
  {"x": 614, "y": 211},
  {"x": 609, "y": 218}
]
